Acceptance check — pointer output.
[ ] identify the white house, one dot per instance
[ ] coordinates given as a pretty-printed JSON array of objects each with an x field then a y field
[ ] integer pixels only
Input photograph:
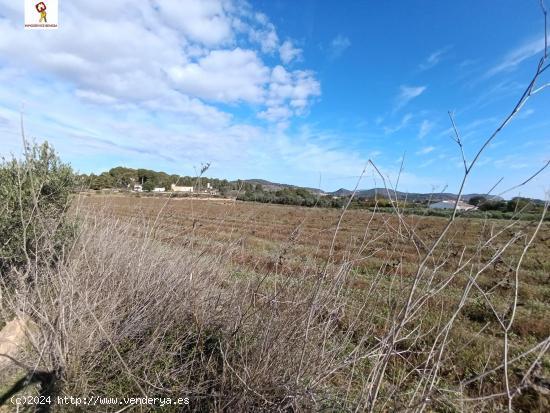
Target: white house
[
  {"x": 181, "y": 188},
  {"x": 159, "y": 189},
  {"x": 138, "y": 188},
  {"x": 461, "y": 206}
]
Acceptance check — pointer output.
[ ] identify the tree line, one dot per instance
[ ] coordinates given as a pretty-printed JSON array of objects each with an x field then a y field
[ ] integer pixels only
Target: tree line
[
  {"x": 122, "y": 177},
  {"x": 289, "y": 196}
]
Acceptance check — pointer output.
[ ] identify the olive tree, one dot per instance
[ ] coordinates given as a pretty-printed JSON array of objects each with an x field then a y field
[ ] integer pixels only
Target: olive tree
[{"x": 34, "y": 196}]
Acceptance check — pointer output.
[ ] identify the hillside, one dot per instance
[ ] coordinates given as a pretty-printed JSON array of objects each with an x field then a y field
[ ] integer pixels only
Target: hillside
[
  {"x": 122, "y": 178},
  {"x": 274, "y": 186},
  {"x": 371, "y": 193},
  {"x": 411, "y": 196}
]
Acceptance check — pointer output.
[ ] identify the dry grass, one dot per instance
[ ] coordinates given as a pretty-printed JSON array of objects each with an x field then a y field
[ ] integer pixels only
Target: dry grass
[{"x": 244, "y": 307}]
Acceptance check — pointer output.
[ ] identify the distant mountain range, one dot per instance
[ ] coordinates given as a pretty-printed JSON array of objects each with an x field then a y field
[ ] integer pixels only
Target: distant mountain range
[
  {"x": 411, "y": 196},
  {"x": 371, "y": 193}
]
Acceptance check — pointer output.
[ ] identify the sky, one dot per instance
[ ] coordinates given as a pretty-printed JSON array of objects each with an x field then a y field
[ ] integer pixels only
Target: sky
[{"x": 301, "y": 92}]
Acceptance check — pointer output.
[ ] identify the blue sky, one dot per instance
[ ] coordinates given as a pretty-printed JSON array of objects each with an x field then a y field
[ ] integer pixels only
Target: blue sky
[{"x": 297, "y": 92}]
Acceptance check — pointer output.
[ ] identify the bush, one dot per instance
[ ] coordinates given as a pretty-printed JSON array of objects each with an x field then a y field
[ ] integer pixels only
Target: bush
[
  {"x": 477, "y": 200},
  {"x": 34, "y": 194},
  {"x": 494, "y": 205},
  {"x": 148, "y": 186},
  {"x": 292, "y": 196}
]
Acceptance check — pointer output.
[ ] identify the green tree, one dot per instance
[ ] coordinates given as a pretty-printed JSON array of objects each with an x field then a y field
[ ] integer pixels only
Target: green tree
[
  {"x": 519, "y": 204},
  {"x": 148, "y": 185},
  {"x": 34, "y": 196},
  {"x": 494, "y": 205},
  {"x": 105, "y": 180},
  {"x": 123, "y": 177},
  {"x": 477, "y": 200}
]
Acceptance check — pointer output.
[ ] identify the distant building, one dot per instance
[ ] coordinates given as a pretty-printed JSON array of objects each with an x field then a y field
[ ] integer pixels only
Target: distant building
[
  {"x": 181, "y": 188},
  {"x": 461, "y": 206},
  {"x": 159, "y": 189},
  {"x": 138, "y": 188}
]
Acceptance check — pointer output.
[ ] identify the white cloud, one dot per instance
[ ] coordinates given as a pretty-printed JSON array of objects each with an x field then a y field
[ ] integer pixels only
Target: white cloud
[
  {"x": 525, "y": 113},
  {"x": 276, "y": 113},
  {"x": 265, "y": 35},
  {"x": 517, "y": 56},
  {"x": 425, "y": 128},
  {"x": 293, "y": 89},
  {"x": 128, "y": 66},
  {"x": 408, "y": 93},
  {"x": 338, "y": 46},
  {"x": 223, "y": 76},
  {"x": 288, "y": 52},
  {"x": 158, "y": 55},
  {"x": 388, "y": 130},
  {"x": 204, "y": 21},
  {"x": 426, "y": 150},
  {"x": 94, "y": 97},
  {"x": 433, "y": 59}
]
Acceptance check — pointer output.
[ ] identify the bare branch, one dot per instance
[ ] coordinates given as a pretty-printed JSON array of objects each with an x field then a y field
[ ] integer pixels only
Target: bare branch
[{"x": 458, "y": 140}]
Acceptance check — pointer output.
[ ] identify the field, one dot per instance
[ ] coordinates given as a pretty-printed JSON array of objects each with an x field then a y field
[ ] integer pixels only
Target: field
[
  {"x": 266, "y": 234},
  {"x": 242, "y": 306},
  {"x": 377, "y": 256}
]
